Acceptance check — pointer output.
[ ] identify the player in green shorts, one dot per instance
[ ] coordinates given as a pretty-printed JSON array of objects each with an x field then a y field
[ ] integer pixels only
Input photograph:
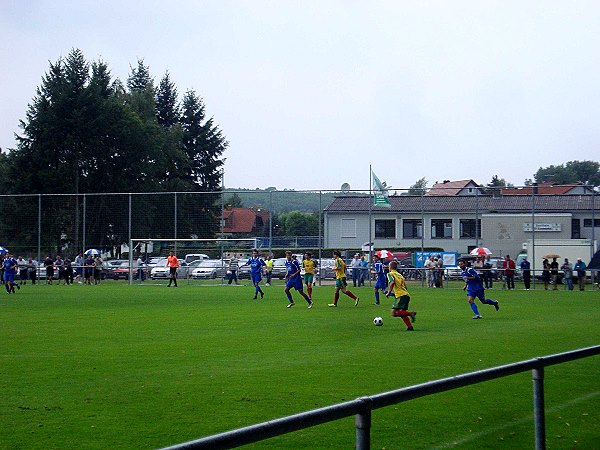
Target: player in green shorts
[
  {"x": 339, "y": 267},
  {"x": 309, "y": 272}
]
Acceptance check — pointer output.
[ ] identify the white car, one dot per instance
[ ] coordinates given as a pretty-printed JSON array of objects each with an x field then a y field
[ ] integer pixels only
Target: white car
[{"x": 209, "y": 268}]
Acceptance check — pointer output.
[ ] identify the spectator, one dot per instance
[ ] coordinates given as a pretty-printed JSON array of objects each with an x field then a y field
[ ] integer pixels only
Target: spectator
[
  {"x": 488, "y": 276},
  {"x": 526, "y": 270},
  {"x": 509, "y": 267},
  {"x": 580, "y": 267},
  {"x": 430, "y": 271},
  {"x": 49, "y": 265},
  {"x": 567, "y": 269},
  {"x": 140, "y": 268},
  {"x": 364, "y": 268},
  {"x": 22, "y": 265},
  {"x": 234, "y": 265},
  {"x": 68, "y": 271},
  {"x": 32, "y": 266},
  {"x": 79, "y": 263},
  {"x": 97, "y": 269},
  {"x": 546, "y": 273},
  {"x": 439, "y": 272},
  {"x": 554, "y": 273},
  {"x": 356, "y": 265}
]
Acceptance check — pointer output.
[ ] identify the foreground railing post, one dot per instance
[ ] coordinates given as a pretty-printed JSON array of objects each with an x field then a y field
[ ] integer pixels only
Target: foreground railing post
[
  {"x": 538, "y": 408},
  {"x": 363, "y": 425}
]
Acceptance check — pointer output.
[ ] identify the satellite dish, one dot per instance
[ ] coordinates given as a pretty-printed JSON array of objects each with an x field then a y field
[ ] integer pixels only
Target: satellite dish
[{"x": 345, "y": 188}]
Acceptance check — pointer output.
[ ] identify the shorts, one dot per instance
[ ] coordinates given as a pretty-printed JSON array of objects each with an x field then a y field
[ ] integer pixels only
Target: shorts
[
  {"x": 402, "y": 302},
  {"x": 341, "y": 283},
  {"x": 295, "y": 283},
  {"x": 50, "y": 272},
  {"x": 380, "y": 284},
  {"x": 309, "y": 277},
  {"x": 173, "y": 271},
  {"x": 256, "y": 277},
  {"x": 9, "y": 276},
  {"x": 479, "y": 293}
]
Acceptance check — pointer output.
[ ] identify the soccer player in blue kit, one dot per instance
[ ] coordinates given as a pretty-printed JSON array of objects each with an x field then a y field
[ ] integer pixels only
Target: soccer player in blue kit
[
  {"x": 256, "y": 264},
  {"x": 474, "y": 288},
  {"x": 294, "y": 280},
  {"x": 10, "y": 269},
  {"x": 381, "y": 283}
]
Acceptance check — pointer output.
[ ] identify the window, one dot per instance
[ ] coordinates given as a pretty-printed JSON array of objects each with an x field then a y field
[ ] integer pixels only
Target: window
[
  {"x": 470, "y": 228},
  {"x": 385, "y": 229},
  {"x": 412, "y": 228},
  {"x": 348, "y": 228},
  {"x": 576, "y": 229},
  {"x": 441, "y": 228},
  {"x": 587, "y": 223}
]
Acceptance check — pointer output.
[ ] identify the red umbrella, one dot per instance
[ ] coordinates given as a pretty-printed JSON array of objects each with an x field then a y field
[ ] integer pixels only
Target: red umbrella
[
  {"x": 480, "y": 251},
  {"x": 384, "y": 254}
]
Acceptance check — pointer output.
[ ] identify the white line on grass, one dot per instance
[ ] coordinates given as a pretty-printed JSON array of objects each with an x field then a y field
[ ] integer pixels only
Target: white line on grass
[{"x": 528, "y": 418}]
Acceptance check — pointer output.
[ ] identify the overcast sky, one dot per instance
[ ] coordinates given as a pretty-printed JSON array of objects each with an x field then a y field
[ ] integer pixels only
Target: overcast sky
[{"x": 309, "y": 93}]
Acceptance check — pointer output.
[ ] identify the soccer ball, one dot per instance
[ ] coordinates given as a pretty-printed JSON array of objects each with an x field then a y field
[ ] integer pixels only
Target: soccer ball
[{"x": 378, "y": 321}]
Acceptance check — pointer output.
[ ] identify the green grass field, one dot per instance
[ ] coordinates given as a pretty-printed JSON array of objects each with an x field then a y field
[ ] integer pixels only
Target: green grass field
[{"x": 113, "y": 366}]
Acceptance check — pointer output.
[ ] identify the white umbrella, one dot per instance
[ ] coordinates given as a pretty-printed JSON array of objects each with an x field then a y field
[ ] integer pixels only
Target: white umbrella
[
  {"x": 92, "y": 251},
  {"x": 480, "y": 251},
  {"x": 3, "y": 250}
]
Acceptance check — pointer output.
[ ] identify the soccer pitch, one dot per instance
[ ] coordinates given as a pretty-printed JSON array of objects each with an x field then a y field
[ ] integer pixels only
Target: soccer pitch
[{"x": 117, "y": 366}]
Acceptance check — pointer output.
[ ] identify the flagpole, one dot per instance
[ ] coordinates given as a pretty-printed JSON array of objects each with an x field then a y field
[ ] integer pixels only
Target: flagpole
[{"x": 371, "y": 200}]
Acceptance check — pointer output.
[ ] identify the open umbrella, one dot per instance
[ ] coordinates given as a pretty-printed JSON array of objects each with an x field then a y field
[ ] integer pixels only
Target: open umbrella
[
  {"x": 3, "y": 250},
  {"x": 384, "y": 254},
  {"x": 480, "y": 251},
  {"x": 551, "y": 255},
  {"x": 92, "y": 251}
]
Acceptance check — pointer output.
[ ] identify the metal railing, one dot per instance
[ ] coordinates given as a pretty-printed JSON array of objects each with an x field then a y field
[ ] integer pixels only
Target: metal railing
[{"x": 361, "y": 407}]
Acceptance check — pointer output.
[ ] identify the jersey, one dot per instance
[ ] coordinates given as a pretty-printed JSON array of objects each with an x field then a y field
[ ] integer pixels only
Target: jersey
[
  {"x": 10, "y": 265},
  {"x": 255, "y": 264},
  {"x": 172, "y": 261},
  {"x": 339, "y": 267},
  {"x": 397, "y": 283},
  {"x": 474, "y": 284},
  {"x": 293, "y": 269},
  {"x": 309, "y": 266},
  {"x": 381, "y": 277}
]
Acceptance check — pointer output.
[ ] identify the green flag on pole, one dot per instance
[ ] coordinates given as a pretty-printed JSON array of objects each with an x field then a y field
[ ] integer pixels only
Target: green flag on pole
[{"x": 380, "y": 193}]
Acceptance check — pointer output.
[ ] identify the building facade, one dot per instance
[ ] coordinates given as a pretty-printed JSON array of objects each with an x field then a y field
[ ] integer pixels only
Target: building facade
[{"x": 459, "y": 223}]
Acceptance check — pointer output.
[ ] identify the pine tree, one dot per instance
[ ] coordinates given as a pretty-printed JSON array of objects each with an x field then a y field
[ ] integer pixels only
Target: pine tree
[{"x": 167, "y": 107}]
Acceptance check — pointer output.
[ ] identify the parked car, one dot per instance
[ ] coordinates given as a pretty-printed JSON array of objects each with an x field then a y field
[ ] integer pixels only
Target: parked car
[
  {"x": 113, "y": 264},
  {"x": 209, "y": 268},
  {"x": 122, "y": 272},
  {"x": 279, "y": 270},
  {"x": 191, "y": 257},
  {"x": 162, "y": 271}
]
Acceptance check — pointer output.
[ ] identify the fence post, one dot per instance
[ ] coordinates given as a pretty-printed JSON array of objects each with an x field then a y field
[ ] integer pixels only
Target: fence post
[
  {"x": 538, "y": 407},
  {"x": 362, "y": 423}
]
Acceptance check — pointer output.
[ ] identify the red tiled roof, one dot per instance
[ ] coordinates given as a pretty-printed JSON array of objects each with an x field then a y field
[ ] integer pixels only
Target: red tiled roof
[
  {"x": 242, "y": 220},
  {"x": 542, "y": 189},
  {"x": 450, "y": 187}
]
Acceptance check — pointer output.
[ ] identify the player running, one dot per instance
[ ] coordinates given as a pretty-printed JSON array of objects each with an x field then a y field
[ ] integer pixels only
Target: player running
[
  {"x": 379, "y": 271},
  {"x": 293, "y": 280},
  {"x": 256, "y": 264},
  {"x": 339, "y": 267},
  {"x": 474, "y": 288},
  {"x": 397, "y": 287},
  {"x": 309, "y": 272}
]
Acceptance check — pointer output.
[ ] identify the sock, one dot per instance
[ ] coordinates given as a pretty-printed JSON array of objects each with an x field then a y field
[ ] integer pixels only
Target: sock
[
  {"x": 407, "y": 321},
  {"x": 336, "y": 297},
  {"x": 7, "y": 288},
  {"x": 306, "y": 298},
  {"x": 489, "y": 301},
  {"x": 310, "y": 292},
  {"x": 474, "y": 308},
  {"x": 350, "y": 294},
  {"x": 376, "y": 296},
  {"x": 289, "y": 296}
]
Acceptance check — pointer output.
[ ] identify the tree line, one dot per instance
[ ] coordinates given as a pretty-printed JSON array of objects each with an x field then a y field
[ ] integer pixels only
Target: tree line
[{"x": 87, "y": 132}]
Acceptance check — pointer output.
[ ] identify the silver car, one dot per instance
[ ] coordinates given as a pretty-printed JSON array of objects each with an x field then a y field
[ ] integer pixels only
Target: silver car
[{"x": 209, "y": 268}]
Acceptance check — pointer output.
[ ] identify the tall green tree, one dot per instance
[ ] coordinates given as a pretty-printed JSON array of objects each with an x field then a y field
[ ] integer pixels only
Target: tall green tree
[
  {"x": 419, "y": 188},
  {"x": 167, "y": 105},
  {"x": 571, "y": 172},
  {"x": 296, "y": 223}
]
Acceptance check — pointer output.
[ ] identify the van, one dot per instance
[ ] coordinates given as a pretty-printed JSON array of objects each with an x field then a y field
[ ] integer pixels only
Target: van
[{"x": 194, "y": 257}]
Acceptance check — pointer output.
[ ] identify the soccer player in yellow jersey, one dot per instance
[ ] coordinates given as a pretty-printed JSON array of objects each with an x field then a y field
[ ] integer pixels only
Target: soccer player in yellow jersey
[
  {"x": 309, "y": 272},
  {"x": 397, "y": 287},
  {"x": 339, "y": 267}
]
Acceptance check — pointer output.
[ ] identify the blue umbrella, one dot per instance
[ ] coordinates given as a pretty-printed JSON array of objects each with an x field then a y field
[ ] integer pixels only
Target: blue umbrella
[
  {"x": 3, "y": 250},
  {"x": 92, "y": 251}
]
